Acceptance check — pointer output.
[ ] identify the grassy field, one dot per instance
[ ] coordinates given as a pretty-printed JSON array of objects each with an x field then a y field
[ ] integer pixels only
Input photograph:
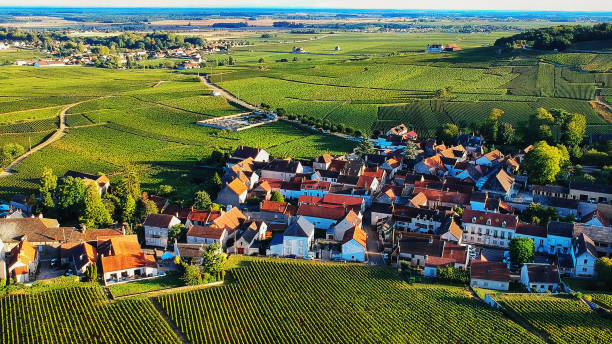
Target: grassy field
[
  {"x": 290, "y": 301},
  {"x": 171, "y": 280},
  {"x": 562, "y": 319}
]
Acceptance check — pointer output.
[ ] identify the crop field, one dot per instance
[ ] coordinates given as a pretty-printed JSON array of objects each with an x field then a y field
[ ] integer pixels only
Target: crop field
[
  {"x": 561, "y": 319},
  {"x": 355, "y": 90},
  {"x": 80, "y": 315},
  {"x": 289, "y": 301}
]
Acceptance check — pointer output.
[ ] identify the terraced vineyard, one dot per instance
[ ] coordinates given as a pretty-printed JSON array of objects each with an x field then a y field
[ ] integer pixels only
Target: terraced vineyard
[
  {"x": 561, "y": 318},
  {"x": 80, "y": 315},
  {"x": 289, "y": 301}
]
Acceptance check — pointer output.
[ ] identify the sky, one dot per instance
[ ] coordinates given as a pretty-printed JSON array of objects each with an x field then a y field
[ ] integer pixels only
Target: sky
[{"x": 525, "y": 5}]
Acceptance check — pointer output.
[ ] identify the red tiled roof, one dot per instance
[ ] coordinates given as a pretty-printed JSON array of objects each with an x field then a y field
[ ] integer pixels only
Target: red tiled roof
[
  {"x": 125, "y": 254},
  {"x": 365, "y": 182},
  {"x": 492, "y": 271},
  {"x": 455, "y": 252},
  {"x": 444, "y": 196},
  {"x": 356, "y": 233},
  {"x": 496, "y": 219},
  {"x": 203, "y": 216},
  {"x": 230, "y": 220},
  {"x": 342, "y": 200},
  {"x": 273, "y": 207},
  {"x": 303, "y": 199},
  {"x": 373, "y": 172},
  {"x": 210, "y": 232},
  {"x": 23, "y": 253},
  {"x": 265, "y": 186},
  {"x": 532, "y": 230},
  {"x": 335, "y": 213},
  {"x": 419, "y": 200},
  {"x": 237, "y": 186},
  {"x": 434, "y": 261}
]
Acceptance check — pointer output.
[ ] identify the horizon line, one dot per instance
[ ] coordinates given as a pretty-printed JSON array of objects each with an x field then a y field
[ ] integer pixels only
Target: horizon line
[{"x": 303, "y": 8}]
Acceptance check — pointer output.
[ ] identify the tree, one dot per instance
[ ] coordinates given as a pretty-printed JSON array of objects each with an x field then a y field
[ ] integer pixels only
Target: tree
[
  {"x": 10, "y": 151},
  {"x": 213, "y": 259},
  {"x": 201, "y": 200},
  {"x": 191, "y": 275},
  {"x": 573, "y": 129},
  {"x": 449, "y": 132},
  {"x": 521, "y": 250},
  {"x": 411, "y": 151},
  {"x": 94, "y": 213},
  {"x": 48, "y": 181},
  {"x": 365, "y": 147},
  {"x": 129, "y": 185},
  {"x": 230, "y": 61},
  {"x": 543, "y": 163},
  {"x": 165, "y": 190},
  {"x": 261, "y": 60},
  {"x": 277, "y": 197},
  {"x": 176, "y": 232},
  {"x": 492, "y": 123},
  {"x": 508, "y": 133},
  {"x": 127, "y": 207},
  {"x": 147, "y": 207},
  {"x": 217, "y": 184},
  {"x": 70, "y": 195},
  {"x": 603, "y": 267},
  {"x": 540, "y": 215},
  {"x": 92, "y": 272}
]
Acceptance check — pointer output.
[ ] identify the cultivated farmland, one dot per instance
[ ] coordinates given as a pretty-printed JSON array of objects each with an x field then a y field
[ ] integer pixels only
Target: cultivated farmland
[
  {"x": 80, "y": 315},
  {"x": 560, "y": 318},
  {"x": 288, "y": 301}
]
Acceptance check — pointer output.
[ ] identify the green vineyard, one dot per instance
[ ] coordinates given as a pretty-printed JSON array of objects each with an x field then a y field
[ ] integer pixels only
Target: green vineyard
[
  {"x": 80, "y": 315},
  {"x": 561, "y": 318},
  {"x": 288, "y": 301}
]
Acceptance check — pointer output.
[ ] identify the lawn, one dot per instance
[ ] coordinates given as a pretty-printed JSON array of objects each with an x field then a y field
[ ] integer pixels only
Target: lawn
[
  {"x": 171, "y": 280},
  {"x": 291, "y": 301}
]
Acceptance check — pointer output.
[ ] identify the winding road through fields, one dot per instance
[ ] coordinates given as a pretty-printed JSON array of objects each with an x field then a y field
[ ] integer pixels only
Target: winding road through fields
[
  {"x": 225, "y": 94},
  {"x": 54, "y": 137}
]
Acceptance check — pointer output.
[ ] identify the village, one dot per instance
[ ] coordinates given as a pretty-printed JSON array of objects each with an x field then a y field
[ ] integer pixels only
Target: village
[{"x": 440, "y": 208}]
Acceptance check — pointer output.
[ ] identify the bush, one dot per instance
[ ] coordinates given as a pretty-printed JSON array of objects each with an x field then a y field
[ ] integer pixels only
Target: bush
[{"x": 2, "y": 282}]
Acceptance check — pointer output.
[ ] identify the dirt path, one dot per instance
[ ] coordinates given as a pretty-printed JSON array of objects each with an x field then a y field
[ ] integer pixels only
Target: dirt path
[
  {"x": 607, "y": 108},
  {"x": 182, "y": 337},
  {"x": 225, "y": 94},
  {"x": 159, "y": 83},
  {"x": 56, "y": 136}
]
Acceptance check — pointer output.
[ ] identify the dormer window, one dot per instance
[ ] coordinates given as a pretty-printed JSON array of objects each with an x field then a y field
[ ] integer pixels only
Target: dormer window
[
  {"x": 488, "y": 222},
  {"x": 503, "y": 224},
  {"x": 474, "y": 219}
]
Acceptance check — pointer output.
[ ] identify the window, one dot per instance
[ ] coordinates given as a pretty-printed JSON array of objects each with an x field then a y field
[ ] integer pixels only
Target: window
[
  {"x": 502, "y": 235},
  {"x": 584, "y": 269},
  {"x": 488, "y": 222},
  {"x": 495, "y": 233},
  {"x": 503, "y": 224},
  {"x": 586, "y": 261},
  {"x": 487, "y": 231},
  {"x": 542, "y": 286},
  {"x": 474, "y": 219}
]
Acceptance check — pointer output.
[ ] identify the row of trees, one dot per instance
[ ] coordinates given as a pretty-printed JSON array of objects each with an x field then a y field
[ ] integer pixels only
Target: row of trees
[
  {"x": 156, "y": 41},
  {"x": 557, "y": 37}
]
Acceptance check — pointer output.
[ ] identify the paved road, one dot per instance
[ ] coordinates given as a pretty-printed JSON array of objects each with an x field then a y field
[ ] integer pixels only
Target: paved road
[
  {"x": 374, "y": 247},
  {"x": 56, "y": 136},
  {"x": 225, "y": 94}
]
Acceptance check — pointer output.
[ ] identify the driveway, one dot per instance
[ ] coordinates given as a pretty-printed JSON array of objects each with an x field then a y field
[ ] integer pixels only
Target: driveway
[{"x": 374, "y": 246}]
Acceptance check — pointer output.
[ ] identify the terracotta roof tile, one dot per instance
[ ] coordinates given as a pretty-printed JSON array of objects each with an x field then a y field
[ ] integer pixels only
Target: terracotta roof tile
[
  {"x": 357, "y": 234},
  {"x": 237, "y": 187},
  {"x": 492, "y": 271}
]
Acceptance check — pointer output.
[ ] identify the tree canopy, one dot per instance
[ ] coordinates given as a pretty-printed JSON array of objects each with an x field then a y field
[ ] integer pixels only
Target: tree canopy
[
  {"x": 521, "y": 250},
  {"x": 543, "y": 163},
  {"x": 558, "y": 37}
]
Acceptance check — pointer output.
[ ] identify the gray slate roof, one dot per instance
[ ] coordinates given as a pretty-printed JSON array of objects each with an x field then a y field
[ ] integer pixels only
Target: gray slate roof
[{"x": 300, "y": 228}]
